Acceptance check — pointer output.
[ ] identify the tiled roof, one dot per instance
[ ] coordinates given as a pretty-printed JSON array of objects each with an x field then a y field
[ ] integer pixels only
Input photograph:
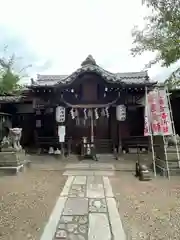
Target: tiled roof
[
  {"x": 133, "y": 77},
  {"x": 13, "y": 99},
  {"x": 9, "y": 99},
  {"x": 49, "y": 80},
  {"x": 89, "y": 65},
  {"x": 50, "y": 77}
]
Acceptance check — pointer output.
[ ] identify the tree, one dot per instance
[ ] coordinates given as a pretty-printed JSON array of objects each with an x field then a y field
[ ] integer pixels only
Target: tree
[
  {"x": 173, "y": 81},
  {"x": 9, "y": 77},
  {"x": 161, "y": 33}
]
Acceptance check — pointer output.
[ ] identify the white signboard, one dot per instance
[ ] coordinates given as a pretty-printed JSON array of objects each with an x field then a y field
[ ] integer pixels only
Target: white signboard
[{"x": 61, "y": 133}]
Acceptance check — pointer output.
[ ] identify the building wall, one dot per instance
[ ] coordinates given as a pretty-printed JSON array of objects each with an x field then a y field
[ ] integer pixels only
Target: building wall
[{"x": 24, "y": 108}]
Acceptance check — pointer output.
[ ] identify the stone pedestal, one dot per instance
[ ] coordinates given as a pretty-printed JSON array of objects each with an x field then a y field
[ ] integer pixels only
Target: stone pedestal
[
  {"x": 12, "y": 156},
  {"x": 12, "y": 159}
]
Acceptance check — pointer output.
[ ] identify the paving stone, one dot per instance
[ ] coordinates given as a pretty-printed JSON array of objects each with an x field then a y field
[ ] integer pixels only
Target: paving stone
[
  {"x": 74, "y": 227},
  {"x": 102, "y": 166},
  {"x": 95, "y": 190},
  {"x": 78, "y": 173},
  {"x": 104, "y": 173},
  {"x": 76, "y": 206},
  {"x": 67, "y": 186},
  {"x": 88, "y": 173},
  {"x": 94, "y": 180},
  {"x": 80, "y": 180},
  {"x": 66, "y": 219},
  {"x": 99, "y": 227},
  {"x": 77, "y": 190},
  {"x": 61, "y": 234},
  {"x": 77, "y": 217},
  {"x": 51, "y": 226},
  {"x": 97, "y": 205},
  {"x": 115, "y": 220},
  {"x": 107, "y": 187},
  {"x": 77, "y": 166}
]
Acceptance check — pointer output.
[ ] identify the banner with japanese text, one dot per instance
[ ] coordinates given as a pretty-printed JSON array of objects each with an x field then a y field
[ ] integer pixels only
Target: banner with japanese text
[{"x": 157, "y": 115}]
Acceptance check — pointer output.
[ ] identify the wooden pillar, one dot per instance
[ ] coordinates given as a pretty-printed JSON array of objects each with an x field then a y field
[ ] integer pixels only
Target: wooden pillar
[
  {"x": 92, "y": 127},
  {"x": 119, "y": 137}
]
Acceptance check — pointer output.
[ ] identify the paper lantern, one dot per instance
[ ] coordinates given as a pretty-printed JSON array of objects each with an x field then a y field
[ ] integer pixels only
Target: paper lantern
[
  {"x": 121, "y": 112},
  {"x": 60, "y": 114}
]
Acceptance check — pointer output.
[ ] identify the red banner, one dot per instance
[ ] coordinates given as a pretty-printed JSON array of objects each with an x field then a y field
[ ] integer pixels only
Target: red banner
[{"x": 157, "y": 114}]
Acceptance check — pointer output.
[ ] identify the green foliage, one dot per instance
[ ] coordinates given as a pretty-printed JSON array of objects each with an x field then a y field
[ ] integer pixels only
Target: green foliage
[
  {"x": 8, "y": 82},
  {"x": 9, "y": 78},
  {"x": 173, "y": 81},
  {"x": 161, "y": 34}
]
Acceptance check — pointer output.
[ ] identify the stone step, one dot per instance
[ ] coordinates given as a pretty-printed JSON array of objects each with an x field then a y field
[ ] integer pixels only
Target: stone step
[
  {"x": 172, "y": 163},
  {"x": 90, "y": 166},
  {"x": 172, "y": 156},
  {"x": 173, "y": 171}
]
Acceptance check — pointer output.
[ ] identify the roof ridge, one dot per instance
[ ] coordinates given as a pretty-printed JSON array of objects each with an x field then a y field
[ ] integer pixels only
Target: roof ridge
[{"x": 134, "y": 72}]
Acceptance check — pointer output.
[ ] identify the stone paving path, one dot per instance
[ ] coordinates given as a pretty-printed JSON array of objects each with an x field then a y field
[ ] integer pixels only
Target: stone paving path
[{"x": 85, "y": 210}]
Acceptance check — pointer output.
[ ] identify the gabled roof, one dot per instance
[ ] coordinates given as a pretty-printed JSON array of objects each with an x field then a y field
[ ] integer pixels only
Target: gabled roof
[
  {"x": 50, "y": 79},
  {"x": 14, "y": 99},
  {"x": 10, "y": 99},
  {"x": 89, "y": 66}
]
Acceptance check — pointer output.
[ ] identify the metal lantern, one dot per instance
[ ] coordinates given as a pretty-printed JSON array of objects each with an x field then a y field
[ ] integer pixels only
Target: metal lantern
[
  {"x": 60, "y": 114},
  {"x": 121, "y": 112}
]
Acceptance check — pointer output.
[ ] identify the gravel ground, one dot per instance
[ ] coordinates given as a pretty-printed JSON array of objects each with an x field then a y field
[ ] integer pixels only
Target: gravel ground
[
  {"x": 149, "y": 210},
  {"x": 26, "y": 202}
]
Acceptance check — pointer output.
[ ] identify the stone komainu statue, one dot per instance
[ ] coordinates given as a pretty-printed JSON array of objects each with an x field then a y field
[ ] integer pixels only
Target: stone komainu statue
[
  {"x": 15, "y": 135},
  {"x": 173, "y": 140},
  {"x": 13, "y": 139}
]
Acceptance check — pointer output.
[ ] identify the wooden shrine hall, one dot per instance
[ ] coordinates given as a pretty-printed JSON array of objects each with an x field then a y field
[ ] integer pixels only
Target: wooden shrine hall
[{"x": 90, "y": 105}]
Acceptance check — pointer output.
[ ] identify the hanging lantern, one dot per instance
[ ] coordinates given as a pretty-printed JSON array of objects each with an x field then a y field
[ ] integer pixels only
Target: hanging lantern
[
  {"x": 60, "y": 114},
  {"x": 121, "y": 112}
]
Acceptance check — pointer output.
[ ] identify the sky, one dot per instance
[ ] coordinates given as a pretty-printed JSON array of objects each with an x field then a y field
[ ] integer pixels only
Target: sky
[{"x": 55, "y": 36}]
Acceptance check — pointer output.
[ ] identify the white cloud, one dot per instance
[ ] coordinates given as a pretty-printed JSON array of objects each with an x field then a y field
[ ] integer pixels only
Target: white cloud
[{"x": 63, "y": 33}]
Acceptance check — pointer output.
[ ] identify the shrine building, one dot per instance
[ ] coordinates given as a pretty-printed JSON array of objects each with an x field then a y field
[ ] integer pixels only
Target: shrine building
[{"x": 104, "y": 107}]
